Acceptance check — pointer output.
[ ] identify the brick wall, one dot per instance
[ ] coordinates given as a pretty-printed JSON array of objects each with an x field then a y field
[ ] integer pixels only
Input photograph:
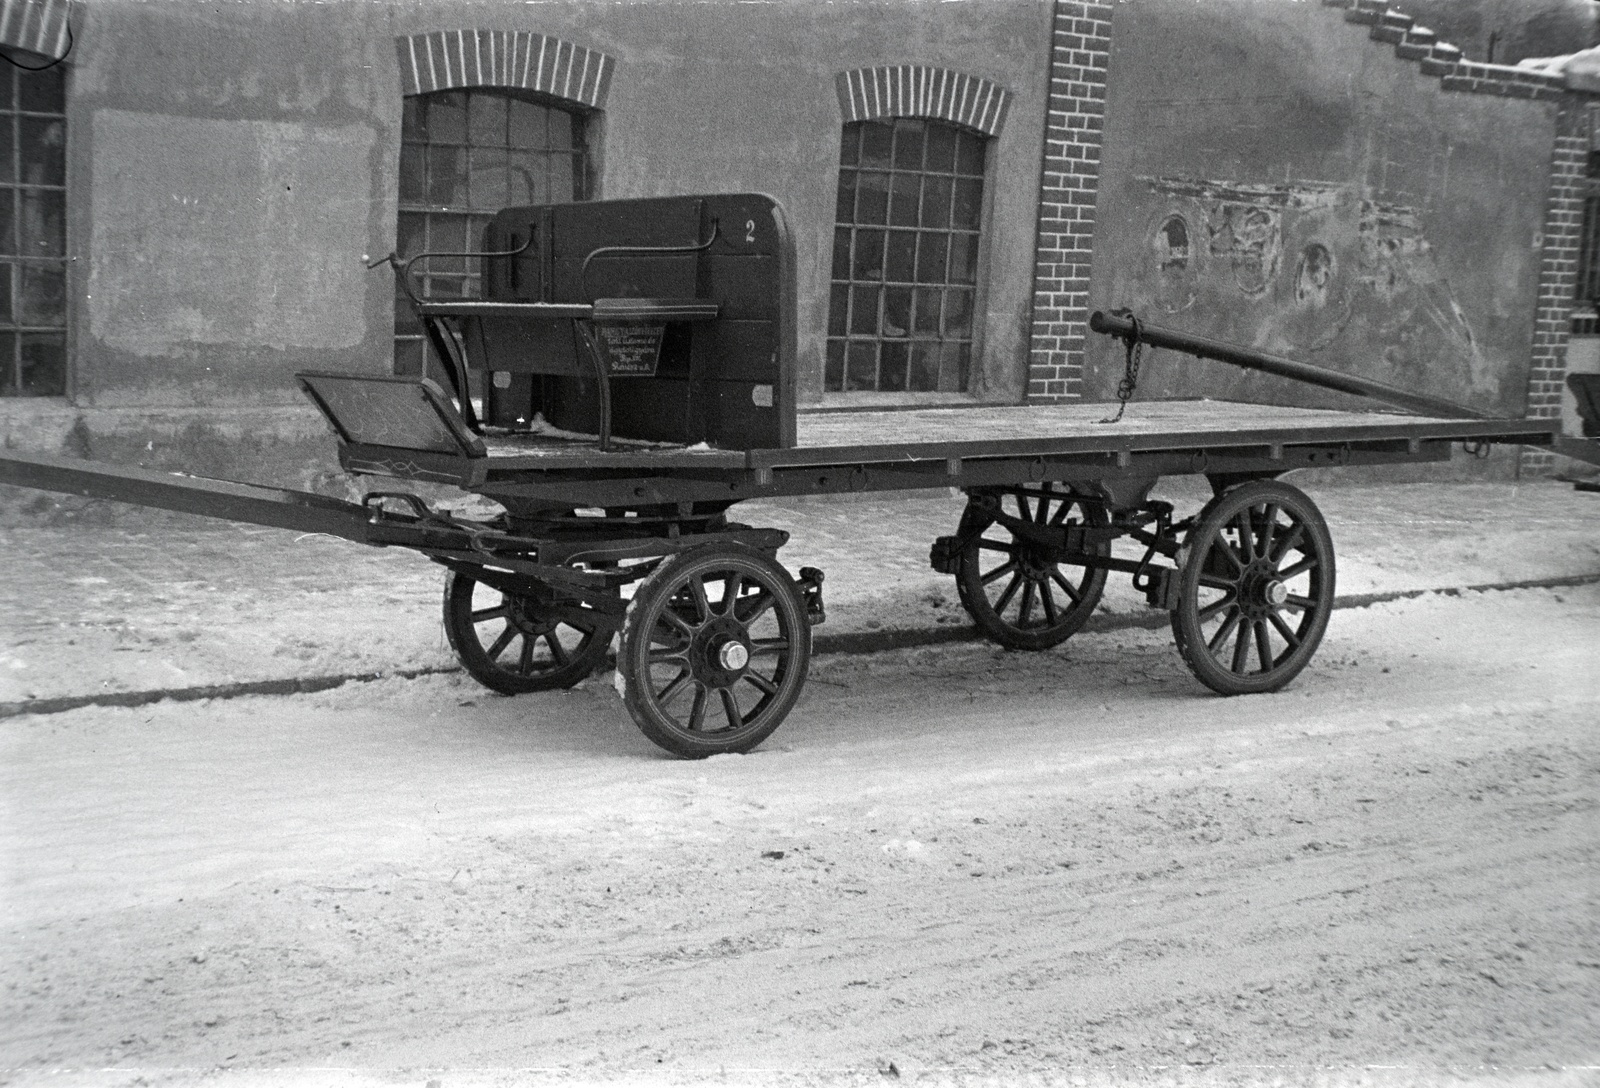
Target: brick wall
[
  {"x": 1080, "y": 52},
  {"x": 1558, "y": 275}
]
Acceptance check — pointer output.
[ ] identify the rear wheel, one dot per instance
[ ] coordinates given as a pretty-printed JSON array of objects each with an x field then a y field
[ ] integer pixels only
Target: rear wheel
[
  {"x": 520, "y": 643},
  {"x": 714, "y": 652},
  {"x": 1255, "y": 588},
  {"x": 1014, "y": 588}
]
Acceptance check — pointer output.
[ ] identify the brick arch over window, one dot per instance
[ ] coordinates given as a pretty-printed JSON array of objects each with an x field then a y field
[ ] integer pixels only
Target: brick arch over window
[
  {"x": 915, "y": 90},
  {"x": 452, "y": 59}
]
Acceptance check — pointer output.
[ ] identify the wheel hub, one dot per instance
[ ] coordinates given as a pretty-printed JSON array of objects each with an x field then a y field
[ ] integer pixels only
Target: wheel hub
[
  {"x": 525, "y": 615},
  {"x": 1034, "y": 563},
  {"x": 733, "y": 656},
  {"x": 721, "y": 652},
  {"x": 1261, "y": 591}
]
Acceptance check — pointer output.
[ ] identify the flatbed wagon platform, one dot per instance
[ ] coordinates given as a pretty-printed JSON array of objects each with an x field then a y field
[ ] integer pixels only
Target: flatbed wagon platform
[
  {"x": 842, "y": 451},
  {"x": 973, "y": 432}
]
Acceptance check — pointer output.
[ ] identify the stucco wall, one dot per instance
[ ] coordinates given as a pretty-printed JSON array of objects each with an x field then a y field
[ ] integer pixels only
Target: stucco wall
[
  {"x": 228, "y": 170},
  {"x": 233, "y": 165},
  {"x": 1339, "y": 206}
]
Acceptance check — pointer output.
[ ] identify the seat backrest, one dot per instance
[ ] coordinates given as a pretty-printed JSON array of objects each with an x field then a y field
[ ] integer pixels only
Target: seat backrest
[{"x": 693, "y": 302}]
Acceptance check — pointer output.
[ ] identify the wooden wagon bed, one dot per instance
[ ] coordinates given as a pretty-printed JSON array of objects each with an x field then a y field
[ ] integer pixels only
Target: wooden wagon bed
[{"x": 878, "y": 436}]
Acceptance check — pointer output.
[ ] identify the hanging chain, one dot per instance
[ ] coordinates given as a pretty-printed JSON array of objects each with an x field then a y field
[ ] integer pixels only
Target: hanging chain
[{"x": 1134, "y": 342}]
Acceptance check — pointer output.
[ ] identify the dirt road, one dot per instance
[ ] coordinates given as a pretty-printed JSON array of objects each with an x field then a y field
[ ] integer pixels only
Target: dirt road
[{"x": 951, "y": 863}]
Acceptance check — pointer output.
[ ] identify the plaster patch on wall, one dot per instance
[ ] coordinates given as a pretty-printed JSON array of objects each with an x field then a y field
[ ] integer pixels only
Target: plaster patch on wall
[
  {"x": 1171, "y": 243},
  {"x": 1304, "y": 265},
  {"x": 1313, "y": 276},
  {"x": 276, "y": 264}
]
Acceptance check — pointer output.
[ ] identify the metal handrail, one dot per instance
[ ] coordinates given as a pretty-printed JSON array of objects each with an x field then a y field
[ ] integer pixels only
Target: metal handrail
[
  {"x": 403, "y": 268},
  {"x": 697, "y": 247}
]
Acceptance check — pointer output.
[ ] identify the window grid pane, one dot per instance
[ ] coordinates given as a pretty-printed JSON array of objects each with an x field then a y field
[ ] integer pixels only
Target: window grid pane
[
  {"x": 465, "y": 155},
  {"x": 33, "y": 233},
  {"x": 1587, "y": 295},
  {"x": 905, "y": 257}
]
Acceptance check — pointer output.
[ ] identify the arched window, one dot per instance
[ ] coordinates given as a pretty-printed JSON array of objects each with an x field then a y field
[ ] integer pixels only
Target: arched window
[
  {"x": 466, "y": 154},
  {"x": 905, "y": 256},
  {"x": 33, "y": 233}
]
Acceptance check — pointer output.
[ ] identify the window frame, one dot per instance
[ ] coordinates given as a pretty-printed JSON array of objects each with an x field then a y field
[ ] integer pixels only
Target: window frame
[
  {"x": 13, "y": 184},
  {"x": 1585, "y": 315},
  {"x": 408, "y": 338},
  {"x": 843, "y": 331}
]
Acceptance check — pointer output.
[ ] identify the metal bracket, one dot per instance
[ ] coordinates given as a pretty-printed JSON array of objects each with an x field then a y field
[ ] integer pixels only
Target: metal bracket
[{"x": 810, "y": 586}]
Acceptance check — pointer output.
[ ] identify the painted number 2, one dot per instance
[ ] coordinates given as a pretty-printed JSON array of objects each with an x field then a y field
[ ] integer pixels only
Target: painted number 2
[{"x": 750, "y": 230}]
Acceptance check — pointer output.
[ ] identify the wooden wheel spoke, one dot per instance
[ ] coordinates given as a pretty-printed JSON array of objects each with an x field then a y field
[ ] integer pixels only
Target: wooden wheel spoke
[
  {"x": 1308, "y": 563},
  {"x": 1022, "y": 508},
  {"x": 1041, "y": 510},
  {"x": 525, "y": 662},
  {"x": 1222, "y": 546},
  {"x": 557, "y": 651},
  {"x": 1228, "y": 625},
  {"x": 730, "y": 708},
  {"x": 1241, "y": 648},
  {"x": 1009, "y": 547},
  {"x": 678, "y": 655},
  {"x": 760, "y": 647},
  {"x": 1010, "y": 591},
  {"x": 1287, "y": 543},
  {"x": 675, "y": 685},
  {"x": 1212, "y": 581},
  {"x": 1061, "y": 513},
  {"x": 697, "y": 590},
  {"x": 500, "y": 611},
  {"x": 999, "y": 572},
  {"x": 731, "y": 585},
  {"x": 754, "y": 606},
  {"x": 677, "y": 623},
  {"x": 1216, "y": 606},
  {"x": 1047, "y": 599},
  {"x": 1284, "y": 630},
  {"x": 1263, "y": 646},
  {"x": 767, "y": 686},
  {"x": 498, "y": 646},
  {"x": 1247, "y": 534},
  {"x": 697, "y": 712},
  {"x": 1297, "y": 601},
  {"x": 1269, "y": 525},
  {"x": 1025, "y": 608},
  {"x": 1066, "y": 587}
]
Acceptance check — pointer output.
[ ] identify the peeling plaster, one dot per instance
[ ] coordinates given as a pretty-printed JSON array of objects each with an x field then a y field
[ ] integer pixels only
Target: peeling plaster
[{"x": 1327, "y": 261}]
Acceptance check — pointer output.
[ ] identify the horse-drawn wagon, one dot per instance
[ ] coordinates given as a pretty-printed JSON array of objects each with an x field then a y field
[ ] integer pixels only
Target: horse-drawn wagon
[{"x": 628, "y": 379}]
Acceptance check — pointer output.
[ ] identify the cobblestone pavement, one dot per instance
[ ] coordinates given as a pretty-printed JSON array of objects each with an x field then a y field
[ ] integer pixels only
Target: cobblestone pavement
[{"x": 106, "y": 598}]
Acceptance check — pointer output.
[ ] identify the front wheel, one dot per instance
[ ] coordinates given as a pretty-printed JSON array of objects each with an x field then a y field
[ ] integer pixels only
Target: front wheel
[
  {"x": 521, "y": 643},
  {"x": 1255, "y": 589},
  {"x": 714, "y": 652}
]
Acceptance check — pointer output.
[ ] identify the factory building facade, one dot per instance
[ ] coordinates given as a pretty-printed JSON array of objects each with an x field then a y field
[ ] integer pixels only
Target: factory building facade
[{"x": 192, "y": 195}]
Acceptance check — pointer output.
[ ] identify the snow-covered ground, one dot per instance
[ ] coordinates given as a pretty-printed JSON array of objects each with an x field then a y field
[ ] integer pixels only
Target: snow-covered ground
[{"x": 952, "y": 864}]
